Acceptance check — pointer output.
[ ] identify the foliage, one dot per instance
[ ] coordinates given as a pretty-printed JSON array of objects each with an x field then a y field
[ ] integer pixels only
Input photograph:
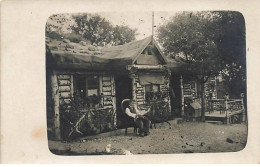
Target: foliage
[
  {"x": 160, "y": 111},
  {"x": 96, "y": 120},
  {"x": 123, "y": 34},
  {"x": 191, "y": 35},
  {"x": 210, "y": 43},
  {"x": 101, "y": 32},
  {"x": 94, "y": 28},
  {"x": 53, "y": 35},
  {"x": 88, "y": 27},
  {"x": 73, "y": 37},
  {"x": 232, "y": 46}
]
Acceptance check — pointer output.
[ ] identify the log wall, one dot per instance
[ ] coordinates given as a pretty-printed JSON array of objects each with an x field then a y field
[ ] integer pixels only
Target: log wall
[{"x": 63, "y": 90}]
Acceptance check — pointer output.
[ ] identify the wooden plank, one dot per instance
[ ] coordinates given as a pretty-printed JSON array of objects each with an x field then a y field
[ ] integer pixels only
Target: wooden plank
[
  {"x": 55, "y": 97},
  {"x": 65, "y": 95},
  {"x": 182, "y": 96},
  {"x": 100, "y": 88},
  {"x": 114, "y": 99},
  {"x": 108, "y": 106},
  {"x": 107, "y": 89},
  {"x": 139, "y": 97},
  {"x": 133, "y": 87},
  {"x": 145, "y": 59},
  {"x": 107, "y": 93},
  {"x": 107, "y": 98},
  {"x": 106, "y": 78},
  {"x": 63, "y": 82},
  {"x": 106, "y": 83},
  {"x": 151, "y": 67},
  {"x": 67, "y": 100},
  {"x": 106, "y": 103},
  {"x": 140, "y": 89},
  {"x": 63, "y": 77},
  {"x": 140, "y": 102},
  {"x": 138, "y": 85},
  {"x": 72, "y": 85},
  {"x": 64, "y": 88}
]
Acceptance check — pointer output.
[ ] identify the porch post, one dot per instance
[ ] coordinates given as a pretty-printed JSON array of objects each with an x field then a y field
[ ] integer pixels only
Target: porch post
[
  {"x": 182, "y": 97},
  {"x": 55, "y": 97},
  {"x": 168, "y": 85},
  {"x": 243, "y": 108},
  {"x": 114, "y": 99},
  {"x": 132, "y": 76},
  {"x": 226, "y": 108}
]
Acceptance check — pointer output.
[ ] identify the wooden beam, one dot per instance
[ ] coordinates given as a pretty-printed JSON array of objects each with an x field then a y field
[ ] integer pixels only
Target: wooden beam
[
  {"x": 169, "y": 99},
  {"x": 146, "y": 67},
  {"x": 100, "y": 88},
  {"x": 71, "y": 85},
  {"x": 182, "y": 96},
  {"x": 55, "y": 97},
  {"x": 114, "y": 99},
  {"x": 132, "y": 76}
]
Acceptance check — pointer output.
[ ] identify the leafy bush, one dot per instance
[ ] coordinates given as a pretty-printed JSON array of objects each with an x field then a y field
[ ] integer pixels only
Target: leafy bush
[
  {"x": 73, "y": 37},
  {"x": 54, "y": 35},
  {"x": 97, "y": 120}
]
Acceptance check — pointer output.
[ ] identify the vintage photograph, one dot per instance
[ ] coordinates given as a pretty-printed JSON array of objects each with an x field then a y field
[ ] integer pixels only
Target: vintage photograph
[{"x": 158, "y": 82}]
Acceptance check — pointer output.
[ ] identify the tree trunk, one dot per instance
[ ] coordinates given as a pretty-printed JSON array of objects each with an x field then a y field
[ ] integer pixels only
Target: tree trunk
[{"x": 203, "y": 103}]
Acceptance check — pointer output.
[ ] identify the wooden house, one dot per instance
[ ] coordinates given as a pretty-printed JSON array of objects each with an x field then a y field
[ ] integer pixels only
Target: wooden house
[
  {"x": 186, "y": 88},
  {"x": 86, "y": 84}
]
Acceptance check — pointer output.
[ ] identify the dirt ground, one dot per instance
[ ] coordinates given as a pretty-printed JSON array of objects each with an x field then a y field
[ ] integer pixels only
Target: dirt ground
[{"x": 186, "y": 137}]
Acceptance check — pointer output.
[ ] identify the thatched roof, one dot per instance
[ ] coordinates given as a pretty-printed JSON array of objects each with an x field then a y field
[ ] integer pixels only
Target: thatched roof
[{"x": 68, "y": 55}]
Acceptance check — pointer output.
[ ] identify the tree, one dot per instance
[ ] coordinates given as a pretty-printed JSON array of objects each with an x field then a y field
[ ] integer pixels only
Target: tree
[
  {"x": 99, "y": 31},
  {"x": 123, "y": 34},
  {"x": 199, "y": 38},
  {"x": 232, "y": 46},
  {"x": 93, "y": 28},
  {"x": 90, "y": 27}
]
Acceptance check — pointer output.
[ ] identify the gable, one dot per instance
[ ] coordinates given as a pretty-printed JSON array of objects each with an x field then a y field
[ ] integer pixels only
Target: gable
[{"x": 150, "y": 56}]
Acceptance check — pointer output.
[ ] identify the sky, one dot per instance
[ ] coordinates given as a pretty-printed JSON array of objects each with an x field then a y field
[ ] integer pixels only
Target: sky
[{"x": 142, "y": 21}]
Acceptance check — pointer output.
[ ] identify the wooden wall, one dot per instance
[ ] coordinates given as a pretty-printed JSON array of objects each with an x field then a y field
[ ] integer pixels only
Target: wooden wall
[
  {"x": 189, "y": 88},
  {"x": 62, "y": 91},
  {"x": 65, "y": 87},
  {"x": 211, "y": 87},
  {"x": 139, "y": 90}
]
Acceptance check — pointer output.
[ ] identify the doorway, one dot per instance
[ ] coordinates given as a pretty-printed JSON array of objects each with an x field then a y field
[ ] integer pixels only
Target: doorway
[
  {"x": 123, "y": 85},
  {"x": 175, "y": 95}
]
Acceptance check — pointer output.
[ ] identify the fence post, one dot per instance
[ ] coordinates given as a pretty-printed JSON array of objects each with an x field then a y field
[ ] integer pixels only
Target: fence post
[
  {"x": 182, "y": 96},
  {"x": 226, "y": 108},
  {"x": 242, "y": 107}
]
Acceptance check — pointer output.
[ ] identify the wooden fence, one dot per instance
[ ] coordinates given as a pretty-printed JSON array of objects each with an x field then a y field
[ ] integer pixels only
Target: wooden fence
[{"x": 227, "y": 110}]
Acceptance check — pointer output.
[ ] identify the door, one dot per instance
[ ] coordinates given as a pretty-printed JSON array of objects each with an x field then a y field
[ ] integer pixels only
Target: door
[{"x": 123, "y": 91}]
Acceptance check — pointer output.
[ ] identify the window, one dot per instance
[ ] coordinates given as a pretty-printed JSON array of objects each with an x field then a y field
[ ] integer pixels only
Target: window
[
  {"x": 152, "y": 92},
  {"x": 151, "y": 88},
  {"x": 92, "y": 86},
  {"x": 87, "y": 87}
]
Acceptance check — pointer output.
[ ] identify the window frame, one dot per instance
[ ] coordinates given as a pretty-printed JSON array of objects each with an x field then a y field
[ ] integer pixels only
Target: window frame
[{"x": 86, "y": 79}]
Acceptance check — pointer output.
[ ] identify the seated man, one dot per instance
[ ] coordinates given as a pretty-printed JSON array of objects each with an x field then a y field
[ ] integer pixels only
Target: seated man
[{"x": 143, "y": 123}]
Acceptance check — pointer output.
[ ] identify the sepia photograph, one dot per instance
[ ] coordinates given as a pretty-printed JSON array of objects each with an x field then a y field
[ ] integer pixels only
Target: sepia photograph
[{"x": 152, "y": 82}]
